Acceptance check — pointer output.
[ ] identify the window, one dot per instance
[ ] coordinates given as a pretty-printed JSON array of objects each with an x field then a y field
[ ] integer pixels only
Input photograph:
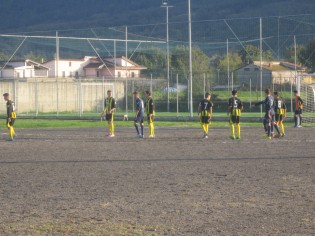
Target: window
[
  {"x": 256, "y": 69},
  {"x": 97, "y": 74},
  {"x": 132, "y": 74},
  {"x": 77, "y": 74},
  {"x": 69, "y": 63},
  {"x": 119, "y": 74},
  {"x": 247, "y": 69}
]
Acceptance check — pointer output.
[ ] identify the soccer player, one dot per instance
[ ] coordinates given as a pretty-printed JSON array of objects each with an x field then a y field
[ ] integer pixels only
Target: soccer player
[
  {"x": 235, "y": 107},
  {"x": 205, "y": 113},
  {"x": 110, "y": 107},
  {"x": 11, "y": 116},
  {"x": 269, "y": 114},
  {"x": 149, "y": 107},
  {"x": 280, "y": 112},
  {"x": 139, "y": 114},
  {"x": 298, "y": 110}
]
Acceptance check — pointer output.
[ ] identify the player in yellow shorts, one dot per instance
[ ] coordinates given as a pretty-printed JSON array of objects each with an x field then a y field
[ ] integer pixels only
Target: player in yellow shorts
[
  {"x": 235, "y": 107},
  {"x": 110, "y": 107},
  {"x": 205, "y": 113},
  {"x": 280, "y": 112},
  {"x": 11, "y": 116},
  {"x": 149, "y": 108}
]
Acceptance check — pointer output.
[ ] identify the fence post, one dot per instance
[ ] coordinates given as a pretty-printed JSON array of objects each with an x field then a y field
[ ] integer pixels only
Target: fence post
[
  {"x": 151, "y": 84},
  {"x": 36, "y": 98},
  {"x": 177, "y": 95},
  {"x": 204, "y": 84},
  {"x": 57, "y": 82}
]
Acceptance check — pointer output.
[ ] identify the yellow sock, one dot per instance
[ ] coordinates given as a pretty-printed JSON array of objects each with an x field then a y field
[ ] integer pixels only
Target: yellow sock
[
  {"x": 152, "y": 128},
  {"x": 113, "y": 128},
  {"x": 232, "y": 130},
  {"x": 281, "y": 127},
  {"x": 11, "y": 132},
  {"x": 238, "y": 130},
  {"x": 207, "y": 128}
]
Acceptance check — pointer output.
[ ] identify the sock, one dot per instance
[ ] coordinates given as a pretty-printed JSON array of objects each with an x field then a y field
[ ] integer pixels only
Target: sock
[
  {"x": 277, "y": 128},
  {"x": 137, "y": 128},
  {"x": 141, "y": 129},
  {"x": 207, "y": 128},
  {"x": 295, "y": 120},
  {"x": 265, "y": 126},
  {"x": 238, "y": 130},
  {"x": 232, "y": 130},
  {"x": 152, "y": 129},
  {"x": 269, "y": 131},
  {"x": 281, "y": 127},
  {"x": 11, "y": 132},
  {"x": 112, "y": 128},
  {"x": 300, "y": 120}
]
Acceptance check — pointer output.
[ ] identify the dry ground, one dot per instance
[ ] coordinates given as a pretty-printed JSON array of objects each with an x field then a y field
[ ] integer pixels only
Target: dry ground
[{"x": 77, "y": 182}]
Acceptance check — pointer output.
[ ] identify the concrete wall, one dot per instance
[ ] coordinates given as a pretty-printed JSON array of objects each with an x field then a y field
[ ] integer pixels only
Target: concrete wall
[{"x": 41, "y": 96}]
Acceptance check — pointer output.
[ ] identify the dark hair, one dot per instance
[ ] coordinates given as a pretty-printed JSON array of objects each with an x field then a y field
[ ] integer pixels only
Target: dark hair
[
  {"x": 275, "y": 93},
  {"x": 148, "y": 92},
  {"x": 5, "y": 95},
  {"x": 135, "y": 92},
  {"x": 267, "y": 90},
  {"x": 109, "y": 91},
  {"x": 234, "y": 91},
  {"x": 295, "y": 91},
  {"x": 207, "y": 94}
]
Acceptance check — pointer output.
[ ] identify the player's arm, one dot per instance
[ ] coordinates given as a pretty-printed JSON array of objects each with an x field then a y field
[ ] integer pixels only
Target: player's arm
[
  {"x": 259, "y": 103},
  {"x": 10, "y": 110},
  {"x": 199, "y": 109},
  {"x": 151, "y": 105},
  {"x": 300, "y": 102}
]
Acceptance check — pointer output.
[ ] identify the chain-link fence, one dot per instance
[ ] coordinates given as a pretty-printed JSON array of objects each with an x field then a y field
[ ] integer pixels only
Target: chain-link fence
[{"x": 226, "y": 54}]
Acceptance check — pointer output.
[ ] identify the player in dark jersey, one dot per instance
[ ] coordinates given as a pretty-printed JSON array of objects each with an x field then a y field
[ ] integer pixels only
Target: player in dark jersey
[
  {"x": 11, "y": 116},
  {"x": 205, "y": 113},
  {"x": 110, "y": 107},
  {"x": 298, "y": 110},
  {"x": 149, "y": 107},
  {"x": 269, "y": 114},
  {"x": 139, "y": 114},
  {"x": 280, "y": 112},
  {"x": 235, "y": 106}
]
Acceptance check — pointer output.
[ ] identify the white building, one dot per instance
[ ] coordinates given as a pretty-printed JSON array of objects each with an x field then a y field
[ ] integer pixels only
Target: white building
[
  {"x": 67, "y": 67},
  {"x": 23, "y": 69}
]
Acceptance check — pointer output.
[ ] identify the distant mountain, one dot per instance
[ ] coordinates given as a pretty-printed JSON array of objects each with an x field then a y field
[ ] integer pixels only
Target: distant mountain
[{"x": 36, "y": 15}]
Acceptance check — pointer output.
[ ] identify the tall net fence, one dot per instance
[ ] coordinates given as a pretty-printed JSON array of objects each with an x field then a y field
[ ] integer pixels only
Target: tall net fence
[{"x": 226, "y": 54}]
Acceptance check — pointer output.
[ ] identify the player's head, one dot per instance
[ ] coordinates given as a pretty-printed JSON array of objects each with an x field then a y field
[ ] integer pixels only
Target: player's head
[
  {"x": 135, "y": 94},
  {"x": 275, "y": 94},
  {"x": 109, "y": 93},
  {"x": 234, "y": 92},
  {"x": 295, "y": 92},
  {"x": 267, "y": 91},
  {"x": 6, "y": 96},
  {"x": 148, "y": 93},
  {"x": 208, "y": 95}
]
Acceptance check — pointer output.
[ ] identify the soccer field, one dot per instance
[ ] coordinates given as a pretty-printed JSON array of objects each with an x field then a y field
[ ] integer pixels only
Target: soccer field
[{"x": 77, "y": 182}]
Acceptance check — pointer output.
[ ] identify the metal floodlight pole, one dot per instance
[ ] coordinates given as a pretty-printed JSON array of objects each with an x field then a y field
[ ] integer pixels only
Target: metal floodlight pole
[
  {"x": 165, "y": 4},
  {"x": 190, "y": 59},
  {"x": 261, "y": 74}
]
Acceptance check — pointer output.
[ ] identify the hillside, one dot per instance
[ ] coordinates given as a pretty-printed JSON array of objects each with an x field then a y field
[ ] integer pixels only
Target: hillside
[{"x": 35, "y": 15}]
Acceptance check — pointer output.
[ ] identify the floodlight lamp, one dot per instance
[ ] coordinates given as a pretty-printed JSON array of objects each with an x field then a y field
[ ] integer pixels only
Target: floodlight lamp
[{"x": 164, "y": 2}]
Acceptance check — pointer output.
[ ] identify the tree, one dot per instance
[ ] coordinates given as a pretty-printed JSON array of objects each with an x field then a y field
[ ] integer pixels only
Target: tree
[
  {"x": 38, "y": 58},
  {"x": 3, "y": 56},
  {"x": 307, "y": 55},
  {"x": 234, "y": 61},
  {"x": 154, "y": 59},
  {"x": 251, "y": 53},
  {"x": 289, "y": 53}
]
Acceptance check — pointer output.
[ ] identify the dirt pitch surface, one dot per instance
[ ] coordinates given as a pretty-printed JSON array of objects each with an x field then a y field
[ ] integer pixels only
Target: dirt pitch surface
[{"x": 77, "y": 182}]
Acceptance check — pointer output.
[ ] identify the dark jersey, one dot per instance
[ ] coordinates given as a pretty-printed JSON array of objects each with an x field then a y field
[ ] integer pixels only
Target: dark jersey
[
  {"x": 235, "y": 106},
  {"x": 205, "y": 107},
  {"x": 280, "y": 106},
  {"x": 139, "y": 107},
  {"x": 298, "y": 103},
  {"x": 149, "y": 106},
  {"x": 269, "y": 105},
  {"x": 109, "y": 103},
  {"x": 11, "y": 109}
]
